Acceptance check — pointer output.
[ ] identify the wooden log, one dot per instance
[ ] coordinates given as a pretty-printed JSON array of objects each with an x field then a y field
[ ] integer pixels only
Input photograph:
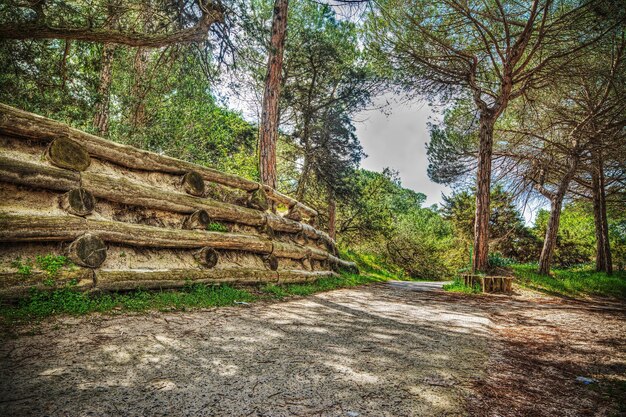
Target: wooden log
[
  {"x": 318, "y": 254},
  {"x": 338, "y": 263},
  {"x": 18, "y": 123},
  {"x": 257, "y": 200},
  {"x": 125, "y": 191},
  {"x": 199, "y": 219},
  {"x": 294, "y": 214},
  {"x": 66, "y": 153},
  {"x": 122, "y": 190},
  {"x": 35, "y": 175},
  {"x": 280, "y": 224},
  {"x": 207, "y": 257},
  {"x": 24, "y": 228},
  {"x": 88, "y": 250},
  {"x": 193, "y": 183},
  {"x": 30, "y": 228},
  {"x": 281, "y": 198},
  {"x": 14, "y": 285},
  {"x": 294, "y": 276},
  {"x": 114, "y": 280},
  {"x": 288, "y": 250},
  {"x": 78, "y": 201},
  {"x": 271, "y": 262},
  {"x": 266, "y": 229}
]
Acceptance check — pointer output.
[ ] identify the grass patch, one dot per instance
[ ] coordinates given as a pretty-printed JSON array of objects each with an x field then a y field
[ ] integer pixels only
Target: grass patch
[
  {"x": 577, "y": 281},
  {"x": 322, "y": 284},
  {"x": 373, "y": 266},
  {"x": 216, "y": 227},
  {"x": 459, "y": 286},
  {"x": 70, "y": 301}
]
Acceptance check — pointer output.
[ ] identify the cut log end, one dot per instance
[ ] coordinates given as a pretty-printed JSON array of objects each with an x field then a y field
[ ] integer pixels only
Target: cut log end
[
  {"x": 78, "y": 201},
  {"x": 193, "y": 183},
  {"x": 271, "y": 262},
  {"x": 266, "y": 229},
  {"x": 207, "y": 257},
  {"x": 257, "y": 200},
  {"x": 294, "y": 214},
  {"x": 197, "y": 220},
  {"x": 88, "y": 250},
  {"x": 66, "y": 153}
]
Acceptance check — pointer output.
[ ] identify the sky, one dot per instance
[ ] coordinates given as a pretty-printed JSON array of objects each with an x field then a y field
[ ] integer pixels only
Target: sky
[{"x": 397, "y": 139}]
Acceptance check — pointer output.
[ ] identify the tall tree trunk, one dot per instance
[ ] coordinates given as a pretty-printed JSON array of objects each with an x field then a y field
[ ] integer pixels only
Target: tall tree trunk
[
  {"x": 140, "y": 64},
  {"x": 556, "y": 202},
  {"x": 332, "y": 215},
  {"x": 101, "y": 117},
  {"x": 304, "y": 175},
  {"x": 603, "y": 249},
  {"x": 549, "y": 242},
  {"x": 483, "y": 189},
  {"x": 268, "y": 132}
]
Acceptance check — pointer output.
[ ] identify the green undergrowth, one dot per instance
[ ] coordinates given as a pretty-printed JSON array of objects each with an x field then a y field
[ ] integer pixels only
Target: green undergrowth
[
  {"x": 323, "y": 284},
  {"x": 216, "y": 227},
  {"x": 573, "y": 282},
  {"x": 459, "y": 286},
  {"x": 70, "y": 301},
  {"x": 372, "y": 265}
]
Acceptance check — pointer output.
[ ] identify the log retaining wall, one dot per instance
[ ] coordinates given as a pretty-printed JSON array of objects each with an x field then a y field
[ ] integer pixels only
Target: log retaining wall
[{"x": 128, "y": 218}]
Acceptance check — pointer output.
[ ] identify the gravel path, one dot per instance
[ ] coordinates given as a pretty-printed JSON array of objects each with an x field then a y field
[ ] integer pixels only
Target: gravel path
[
  {"x": 383, "y": 350},
  {"x": 369, "y": 351}
]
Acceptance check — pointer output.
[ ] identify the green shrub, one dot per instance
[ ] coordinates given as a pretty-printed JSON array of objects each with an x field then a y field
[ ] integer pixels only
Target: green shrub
[
  {"x": 496, "y": 260},
  {"x": 216, "y": 227},
  {"x": 23, "y": 268},
  {"x": 52, "y": 263},
  {"x": 459, "y": 286}
]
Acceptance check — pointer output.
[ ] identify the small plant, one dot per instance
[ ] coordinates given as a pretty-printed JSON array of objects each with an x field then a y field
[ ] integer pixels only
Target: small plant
[
  {"x": 496, "y": 260},
  {"x": 216, "y": 227},
  {"x": 52, "y": 263},
  {"x": 23, "y": 268},
  {"x": 122, "y": 254},
  {"x": 459, "y": 286}
]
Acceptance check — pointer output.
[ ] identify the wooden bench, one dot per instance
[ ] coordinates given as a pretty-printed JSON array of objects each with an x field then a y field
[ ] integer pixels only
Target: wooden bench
[{"x": 489, "y": 283}]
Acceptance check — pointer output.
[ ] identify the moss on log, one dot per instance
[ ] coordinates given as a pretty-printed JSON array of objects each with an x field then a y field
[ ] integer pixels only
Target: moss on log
[
  {"x": 112, "y": 280},
  {"x": 78, "y": 201},
  {"x": 207, "y": 257},
  {"x": 88, "y": 250},
  {"x": 14, "y": 285},
  {"x": 193, "y": 184},
  {"x": 66, "y": 153},
  {"x": 294, "y": 276},
  {"x": 257, "y": 200},
  {"x": 35, "y": 175}
]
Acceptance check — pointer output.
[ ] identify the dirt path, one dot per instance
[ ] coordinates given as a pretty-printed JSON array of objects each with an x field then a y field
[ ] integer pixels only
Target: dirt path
[{"x": 370, "y": 351}]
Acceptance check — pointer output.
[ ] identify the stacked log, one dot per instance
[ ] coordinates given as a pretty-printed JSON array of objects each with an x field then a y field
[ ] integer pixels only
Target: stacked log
[{"x": 79, "y": 183}]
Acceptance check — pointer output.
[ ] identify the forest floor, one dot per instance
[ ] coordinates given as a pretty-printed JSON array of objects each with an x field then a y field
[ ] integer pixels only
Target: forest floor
[{"x": 376, "y": 350}]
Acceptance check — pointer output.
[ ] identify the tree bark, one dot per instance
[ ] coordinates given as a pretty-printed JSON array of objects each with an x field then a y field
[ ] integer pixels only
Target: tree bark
[
  {"x": 483, "y": 191},
  {"x": 268, "y": 132},
  {"x": 332, "y": 216},
  {"x": 101, "y": 117},
  {"x": 556, "y": 202},
  {"x": 210, "y": 15},
  {"x": 603, "y": 249}
]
